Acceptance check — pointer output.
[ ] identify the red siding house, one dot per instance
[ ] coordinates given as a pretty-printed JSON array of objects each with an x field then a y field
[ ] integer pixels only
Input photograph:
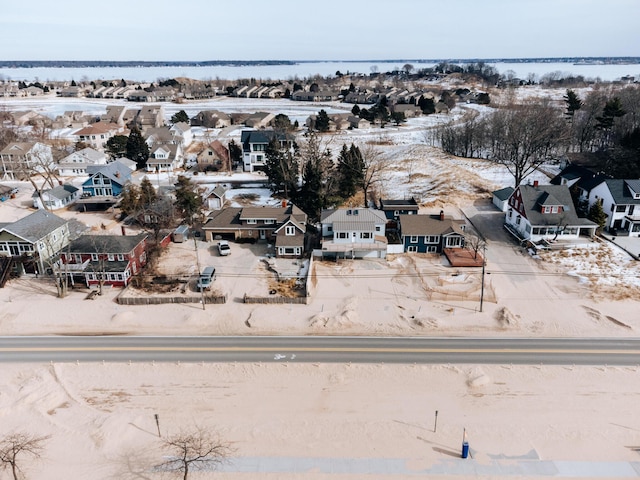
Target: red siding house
[{"x": 112, "y": 259}]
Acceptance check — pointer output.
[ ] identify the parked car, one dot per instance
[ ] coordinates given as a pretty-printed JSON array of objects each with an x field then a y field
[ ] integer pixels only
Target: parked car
[
  {"x": 224, "y": 248},
  {"x": 207, "y": 277}
]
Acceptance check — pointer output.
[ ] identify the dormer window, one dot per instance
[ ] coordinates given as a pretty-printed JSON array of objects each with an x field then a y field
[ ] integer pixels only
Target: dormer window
[{"x": 289, "y": 230}]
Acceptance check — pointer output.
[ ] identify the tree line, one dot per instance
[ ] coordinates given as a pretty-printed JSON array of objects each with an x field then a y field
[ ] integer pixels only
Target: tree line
[
  {"x": 308, "y": 174},
  {"x": 522, "y": 136}
]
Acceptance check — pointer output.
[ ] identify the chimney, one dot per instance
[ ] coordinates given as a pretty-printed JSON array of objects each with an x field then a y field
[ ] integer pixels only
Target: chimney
[
  {"x": 535, "y": 183},
  {"x": 124, "y": 232},
  {"x": 441, "y": 215}
]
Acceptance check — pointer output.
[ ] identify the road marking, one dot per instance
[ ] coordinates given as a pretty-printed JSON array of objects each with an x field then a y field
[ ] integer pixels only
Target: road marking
[{"x": 316, "y": 349}]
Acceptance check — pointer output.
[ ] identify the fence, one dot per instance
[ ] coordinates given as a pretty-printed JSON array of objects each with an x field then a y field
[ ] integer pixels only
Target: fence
[
  {"x": 276, "y": 300},
  {"x": 156, "y": 300}
]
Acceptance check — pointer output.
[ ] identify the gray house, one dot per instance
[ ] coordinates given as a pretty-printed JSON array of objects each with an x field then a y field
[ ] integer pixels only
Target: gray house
[{"x": 353, "y": 233}]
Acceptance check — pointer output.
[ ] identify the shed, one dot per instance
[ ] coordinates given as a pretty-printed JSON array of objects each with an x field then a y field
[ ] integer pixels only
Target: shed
[
  {"x": 181, "y": 234},
  {"x": 501, "y": 197}
]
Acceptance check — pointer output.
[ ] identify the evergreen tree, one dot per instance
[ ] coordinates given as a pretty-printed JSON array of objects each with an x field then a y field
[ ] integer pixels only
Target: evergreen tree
[
  {"x": 317, "y": 176},
  {"x": 322, "y": 121},
  {"x": 427, "y": 105},
  {"x": 350, "y": 170},
  {"x": 282, "y": 167},
  {"x": 130, "y": 199},
  {"x": 180, "y": 117},
  {"x": 398, "y": 117},
  {"x": 282, "y": 123},
  {"x": 188, "y": 201},
  {"x": 356, "y": 110},
  {"x": 235, "y": 152},
  {"x": 573, "y": 103},
  {"x": 597, "y": 215},
  {"x": 148, "y": 194},
  {"x": 612, "y": 110},
  {"x": 116, "y": 146},
  {"x": 137, "y": 148}
]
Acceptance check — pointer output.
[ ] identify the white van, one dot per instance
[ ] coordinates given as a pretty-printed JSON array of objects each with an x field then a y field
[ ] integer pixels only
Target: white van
[{"x": 207, "y": 276}]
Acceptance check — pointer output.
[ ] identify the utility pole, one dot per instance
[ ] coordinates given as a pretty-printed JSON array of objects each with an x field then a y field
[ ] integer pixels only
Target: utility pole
[
  {"x": 195, "y": 246},
  {"x": 484, "y": 262}
]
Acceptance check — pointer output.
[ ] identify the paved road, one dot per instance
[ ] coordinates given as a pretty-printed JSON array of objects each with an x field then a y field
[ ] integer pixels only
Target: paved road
[{"x": 585, "y": 351}]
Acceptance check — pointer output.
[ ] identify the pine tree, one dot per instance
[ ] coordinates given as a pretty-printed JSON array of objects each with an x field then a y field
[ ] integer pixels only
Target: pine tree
[
  {"x": 597, "y": 215},
  {"x": 116, "y": 146},
  {"x": 235, "y": 152},
  {"x": 350, "y": 170},
  {"x": 180, "y": 117},
  {"x": 282, "y": 167},
  {"x": 188, "y": 200},
  {"x": 148, "y": 194},
  {"x": 322, "y": 121},
  {"x": 137, "y": 148},
  {"x": 573, "y": 103}
]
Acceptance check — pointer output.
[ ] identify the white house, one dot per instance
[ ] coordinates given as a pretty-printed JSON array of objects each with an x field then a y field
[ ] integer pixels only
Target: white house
[
  {"x": 165, "y": 158},
  {"x": 20, "y": 160},
  {"x": 56, "y": 198},
  {"x": 76, "y": 164},
  {"x": 353, "y": 233},
  {"x": 183, "y": 131},
  {"x": 620, "y": 200},
  {"x": 544, "y": 213}
]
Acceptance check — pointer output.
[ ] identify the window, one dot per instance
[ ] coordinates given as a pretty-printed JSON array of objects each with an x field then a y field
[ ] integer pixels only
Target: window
[
  {"x": 412, "y": 248},
  {"x": 510, "y": 213},
  {"x": 269, "y": 221},
  {"x": 518, "y": 218},
  {"x": 378, "y": 228},
  {"x": 290, "y": 230},
  {"x": 94, "y": 257},
  {"x": 366, "y": 235},
  {"x": 111, "y": 257},
  {"x": 413, "y": 239},
  {"x": 621, "y": 208},
  {"x": 252, "y": 221},
  {"x": 330, "y": 228},
  {"x": 431, "y": 239},
  {"x": 342, "y": 235},
  {"x": 431, "y": 249},
  {"x": 120, "y": 257}
]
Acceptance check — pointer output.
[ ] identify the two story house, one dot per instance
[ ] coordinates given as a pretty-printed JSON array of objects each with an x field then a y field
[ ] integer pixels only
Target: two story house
[
  {"x": 254, "y": 145},
  {"x": 545, "y": 212},
  {"x": 98, "y": 134},
  {"x": 620, "y": 200},
  {"x": 392, "y": 209},
  {"x": 104, "y": 185},
  {"x": 107, "y": 259},
  {"x": 165, "y": 157},
  {"x": 76, "y": 163},
  {"x": 34, "y": 240},
  {"x": 284, "y": 226},
  {"x": 431, "y": 233},
  {"x": 20, "y": 160},
  {"x": 353, "y": 233}
]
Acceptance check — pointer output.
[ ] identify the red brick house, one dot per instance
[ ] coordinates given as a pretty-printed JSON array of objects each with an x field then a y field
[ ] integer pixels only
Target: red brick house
[{"x": 112, "y": 259}]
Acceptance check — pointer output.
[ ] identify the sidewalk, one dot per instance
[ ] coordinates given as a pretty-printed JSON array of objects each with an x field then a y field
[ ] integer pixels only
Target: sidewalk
[{"x": 449, "y": 467}]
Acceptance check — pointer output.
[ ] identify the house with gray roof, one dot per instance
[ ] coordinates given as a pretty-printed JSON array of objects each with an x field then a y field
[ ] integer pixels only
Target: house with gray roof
[
  {"x": 431, "y": 233},
  {"x": 545, "y": 213},
  {"x": 55, "y": 198},
  {"x": 620, "y": 200},
  {"x": 284, "y": 227},
  {"x": 254, "y": 145},
  {"x": 353, "y": 233},
  {"x": 35, "y": 240},
  {"x": 104, "y": 185},
  {"x": 75, "y": 164}
]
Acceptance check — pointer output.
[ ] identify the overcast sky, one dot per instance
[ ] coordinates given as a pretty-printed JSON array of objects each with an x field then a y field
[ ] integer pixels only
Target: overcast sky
[{"x": 321, "y": 30}]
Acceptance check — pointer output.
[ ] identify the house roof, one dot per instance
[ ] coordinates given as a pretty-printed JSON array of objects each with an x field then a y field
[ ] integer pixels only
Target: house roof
[
  {"x": 429, "y": 225},
  {"x": 587, "y": 178},
  {"x": 353, "y": 219},
  {"x": 235, "y": 216},
  {"x": 116, "y": 171},
  {"x": 503, "y": 193},
  {"x": 535, "y": 196},
  {"x": 407, "y": 204},
  {"x": 118, "y": 244},
  {"x": 88, "y": 155},
  {"x": 60, "y": 192},
  {"x": 98, "y": 128},
  {"x": 620, "y": 191},
  {"x": 36, "y": 226},
  {"x": 18, "y": 148},
  {"x": 262, "y": 136}
]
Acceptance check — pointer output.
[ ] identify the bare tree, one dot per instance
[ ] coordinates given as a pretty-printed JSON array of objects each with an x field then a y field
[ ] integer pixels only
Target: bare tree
[
  {"x": 194, "y": 450},
  {"x": 375, "y": 164},
  {"x": 17, "y": 445},
  {"x": 475, "y": 243}
]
